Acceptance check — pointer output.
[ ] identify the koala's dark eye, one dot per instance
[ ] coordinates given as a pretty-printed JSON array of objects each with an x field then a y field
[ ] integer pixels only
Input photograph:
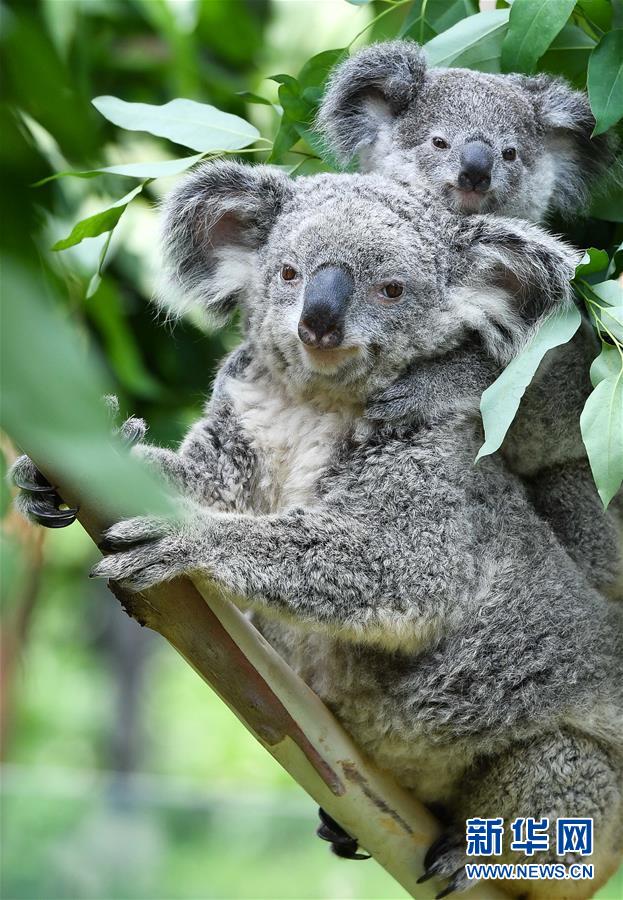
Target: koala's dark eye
[
  {"x": 509, "y": 154},
  {"x": 440, "y": 144},
  {"x": 288, "y": 273},
  {"x": 393, "y": 290}
]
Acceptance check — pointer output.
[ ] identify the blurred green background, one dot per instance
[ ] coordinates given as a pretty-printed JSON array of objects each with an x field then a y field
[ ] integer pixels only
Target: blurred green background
[{"x": 122, "y": 775}]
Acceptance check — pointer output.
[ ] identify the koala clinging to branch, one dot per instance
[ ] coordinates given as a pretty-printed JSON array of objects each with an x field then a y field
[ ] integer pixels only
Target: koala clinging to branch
[
  {"x": 420, "y": 597},
  {"x": 507, "y": 145}
]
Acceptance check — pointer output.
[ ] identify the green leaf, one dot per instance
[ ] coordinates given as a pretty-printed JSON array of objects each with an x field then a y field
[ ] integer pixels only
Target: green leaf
[
  {"x": 594, "y": 260},
  {"x": 532, "y": 26},
  {"x": 286, "y": 137},
  {"x": 612, "y": 319},
  {"x": 250, "y": 97},
  {"x": 299, "y": 98},
  {"x": 186, "y": 122},
  {"x": 568, "y": 55},
  {"x": 316, "y": 70},
  {"x": 601, "y": 423},
  {"x": 500, "y": 402},
  {"x": 51, "y": 405},
  {"x": 599, "y": 12},
  {"x": 98, "y": 223},
  {"x": 605, "y": 81},
  {"x": 427, "y": 18},
  {"x": 609, "y": 292},
  {"x": 161, "y": 169},
  {"x": 449, "y": 48}
]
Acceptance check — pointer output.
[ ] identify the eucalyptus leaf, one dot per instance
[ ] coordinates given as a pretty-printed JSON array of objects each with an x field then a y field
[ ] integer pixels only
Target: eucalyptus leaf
[
  {"x": 186, "y": 122},
  {"x": 594, "y": 260},
  {"x": 427, "y": 18},
  {"x": 500, "y": 402},
  {"x": 299, "y": 98},
  {"x": 158, "y": 169},
  {"x": 610, "y": 292},
  {"x": 98, "y": 223},
  {"x": 51, "y": 403},
  {"x": 612, "y": 319},
  {"x": 599, "y": 12},
  {"x": 449, "y": 48},
  {"x": 601, "y": 423},
  {"x": 250, "y": 97},
  {"x": 605, "y": 81},
  {"x": 532, "y": 26}
]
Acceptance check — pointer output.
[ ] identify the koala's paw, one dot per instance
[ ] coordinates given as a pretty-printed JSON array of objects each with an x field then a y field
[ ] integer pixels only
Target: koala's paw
[
  {"x": 446, "y": 859},
  {"x": 37, "y": 500},
  {"x": 132, "y": 431},
  {"x": 396, "y": 403},
  {"x": 144, "y": 551}
]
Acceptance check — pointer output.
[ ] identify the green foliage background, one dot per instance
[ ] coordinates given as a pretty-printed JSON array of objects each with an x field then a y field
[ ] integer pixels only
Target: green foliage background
[{"x": 123, "y": 777}]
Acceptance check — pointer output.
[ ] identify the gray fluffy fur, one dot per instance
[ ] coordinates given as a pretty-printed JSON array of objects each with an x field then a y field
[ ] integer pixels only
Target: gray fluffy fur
[
  {"x": 385, "y": 105},
  {"x": 421, "y": 597}
]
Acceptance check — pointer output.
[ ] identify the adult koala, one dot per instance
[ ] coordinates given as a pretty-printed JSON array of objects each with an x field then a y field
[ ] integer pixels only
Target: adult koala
[
  {"x": 505, "y": 145},
  {"x": 421, "y": 597}
]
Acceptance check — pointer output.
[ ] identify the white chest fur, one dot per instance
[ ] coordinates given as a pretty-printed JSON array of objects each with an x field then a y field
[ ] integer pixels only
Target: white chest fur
[{"x": 294, "y": 440}]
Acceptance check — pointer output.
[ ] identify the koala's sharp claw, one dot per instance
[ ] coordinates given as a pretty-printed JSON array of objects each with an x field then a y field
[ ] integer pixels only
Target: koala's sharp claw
[
  {"x": 33, "y": 487},
  {"x": 425, "y": 877},
  {"x": 44, "y": 509},
  {"x": 434, "y": 852},
  {"x": 342, "y": 844},
  {"x": 132, "y": 431}
]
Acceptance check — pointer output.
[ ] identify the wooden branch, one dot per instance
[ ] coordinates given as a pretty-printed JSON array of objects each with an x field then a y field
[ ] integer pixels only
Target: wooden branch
[{"x": 285, "y": 716}]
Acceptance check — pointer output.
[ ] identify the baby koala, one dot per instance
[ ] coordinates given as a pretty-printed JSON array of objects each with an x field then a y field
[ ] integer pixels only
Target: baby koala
[
  {"x": 421, "y": 597},
  {"x": 504, "y": 145}
]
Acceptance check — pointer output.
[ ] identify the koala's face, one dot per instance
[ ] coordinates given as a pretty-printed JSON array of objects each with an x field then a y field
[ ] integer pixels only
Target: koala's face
[
  {"x": 348, "y": 287},
  {"x": 505, "y": 144},
  {"x": 475, "y": 141},
  {"x": 347, "y": 280}
]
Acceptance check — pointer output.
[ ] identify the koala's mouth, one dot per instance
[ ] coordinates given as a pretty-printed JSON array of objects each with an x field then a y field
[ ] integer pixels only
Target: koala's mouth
[
  {"x": 328, "y": 360},
  {"x": 470, "y": 201}
]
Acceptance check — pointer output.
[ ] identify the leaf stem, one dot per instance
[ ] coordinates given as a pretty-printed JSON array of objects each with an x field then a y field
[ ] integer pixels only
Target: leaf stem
[{"x": 395, "y": 5}]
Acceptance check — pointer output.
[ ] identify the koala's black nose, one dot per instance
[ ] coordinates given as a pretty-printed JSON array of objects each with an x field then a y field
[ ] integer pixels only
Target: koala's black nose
[
  {"x": 476, "y": 165},
  {"x": 326, "y": 298}
]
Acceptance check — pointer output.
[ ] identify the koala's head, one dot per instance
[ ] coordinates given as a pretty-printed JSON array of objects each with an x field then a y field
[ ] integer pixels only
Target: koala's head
[
  {"x": 346, "y": 280},
  {"x": 506, "y": 144}
]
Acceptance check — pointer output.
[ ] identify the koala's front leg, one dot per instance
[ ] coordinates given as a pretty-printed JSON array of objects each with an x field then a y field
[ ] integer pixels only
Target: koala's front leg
[
  {"x": 322, "y": 567},
  {"x": 435, "y": 387}
]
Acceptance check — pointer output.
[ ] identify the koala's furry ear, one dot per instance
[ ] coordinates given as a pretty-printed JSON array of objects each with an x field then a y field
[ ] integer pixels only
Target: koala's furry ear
[
  {"x": 508, "y": 276},
  {"x": 368, "y": 91},
  {"x": 213, "y": 225},
  {"x": 568, "y": 122}
]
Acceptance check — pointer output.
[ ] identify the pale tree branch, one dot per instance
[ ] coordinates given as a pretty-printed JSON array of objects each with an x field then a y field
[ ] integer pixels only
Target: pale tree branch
[{"x": 285, "y": 716}]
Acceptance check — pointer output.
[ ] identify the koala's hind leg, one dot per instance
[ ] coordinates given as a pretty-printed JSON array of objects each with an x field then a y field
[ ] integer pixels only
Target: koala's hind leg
[{"x": 560, "y": 775}]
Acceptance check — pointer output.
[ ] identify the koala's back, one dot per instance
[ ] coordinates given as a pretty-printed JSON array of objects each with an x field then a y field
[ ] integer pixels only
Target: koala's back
[{"x": 546, "y": 429}]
